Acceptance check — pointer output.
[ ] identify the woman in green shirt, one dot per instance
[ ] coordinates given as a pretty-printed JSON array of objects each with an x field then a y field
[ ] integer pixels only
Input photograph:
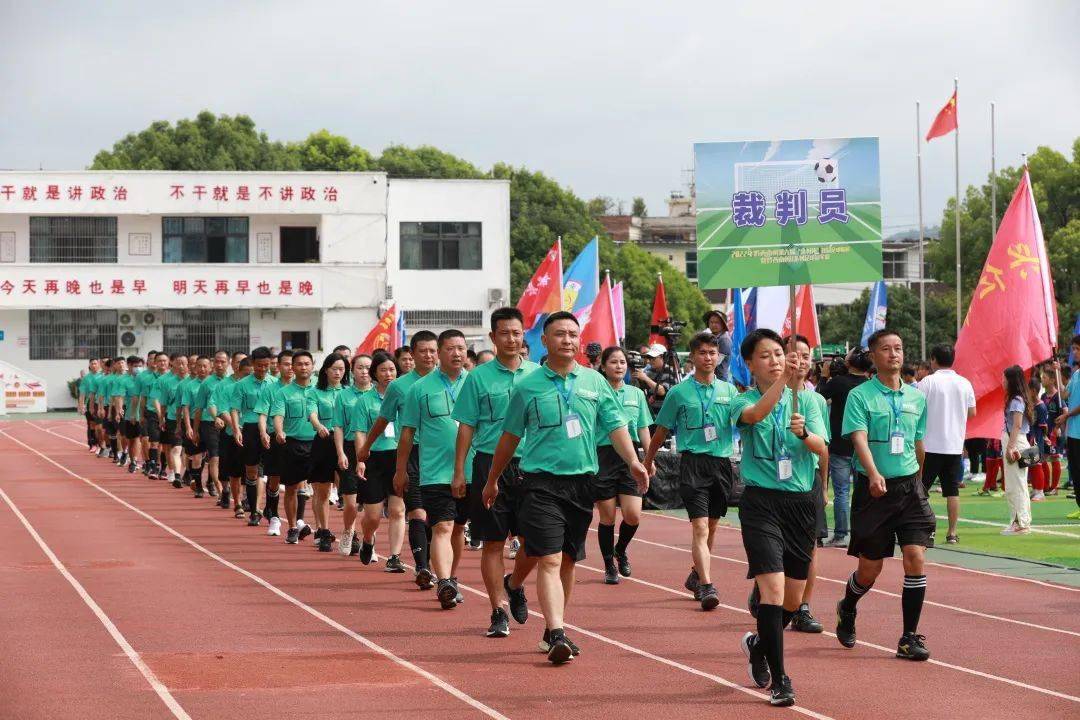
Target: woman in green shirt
[
  {"x": 324, "y": 457},
  {"x": 346, "y": 483},
  {"x": 614, "y": 477},
  {"x": 781, "y": 445}
]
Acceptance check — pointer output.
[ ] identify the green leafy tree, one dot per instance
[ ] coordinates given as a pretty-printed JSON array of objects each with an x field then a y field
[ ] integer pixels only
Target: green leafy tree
[
  {"x": 325, "y": 151},
  {"x": 638, "y": 208},
  {"x": 844, "y": 323},
  {"x": 425, "y": 162},
  {"x": 602, "y": 205}
]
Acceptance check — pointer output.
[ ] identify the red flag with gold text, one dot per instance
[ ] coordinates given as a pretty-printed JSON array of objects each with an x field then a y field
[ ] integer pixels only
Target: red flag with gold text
[{"x": 384, "y": 336}]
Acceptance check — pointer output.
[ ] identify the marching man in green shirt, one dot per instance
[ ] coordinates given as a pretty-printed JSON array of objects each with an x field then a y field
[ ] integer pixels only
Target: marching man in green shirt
[
  {"x": 290, "y": 411},
  {"x": 886, "y": 420},
  {"x": 189, "y": 403},
  {"x": 559, "y": 411},
  {"x": 85, "y": 402}
]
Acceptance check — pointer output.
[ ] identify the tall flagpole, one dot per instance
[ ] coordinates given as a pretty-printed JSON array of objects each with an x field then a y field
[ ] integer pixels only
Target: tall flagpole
[
  {"x": 956, "y": 109},
  {"x": 993, "y": 181},
  {"x": 922, "y": 239}
]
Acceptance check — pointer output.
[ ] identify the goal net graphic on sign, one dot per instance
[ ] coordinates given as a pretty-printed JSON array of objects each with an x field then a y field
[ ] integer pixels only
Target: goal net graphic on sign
[{"x": 771, "y": 176}]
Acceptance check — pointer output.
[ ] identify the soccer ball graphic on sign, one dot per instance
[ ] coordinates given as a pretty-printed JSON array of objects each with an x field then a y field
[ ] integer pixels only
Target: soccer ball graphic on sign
[{"x": 826, "y": 170}]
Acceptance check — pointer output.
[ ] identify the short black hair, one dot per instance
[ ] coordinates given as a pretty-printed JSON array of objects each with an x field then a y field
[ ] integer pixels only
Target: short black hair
[
  {"x": 379, "y": 357},
  {"x": 339, "y": 348},
  {"x": 134, "y": 360},
  {"x": 401, "y": 351},
  {"x": 152, "y": 354},
  {"x": 750, "y": 343},
  {"x": 119, "y": 358},
  {"x": 506, "y": 313},
  {"x": 285, "y": 354},
  {"x": 176, "y": 356},
  {"x": 238, "y": 353},
  {"x": 449, "y": 335},
  {"x": 107, "y": 362},
  {"x": 883, "y": 332},
  {"x": 560, "y": 315},
  {"x": 798, "y": 339},
  {"x": 422, "y": 336},
  {"x": 609, "y": 351},
  {"x": 907, "y": 369},
  {"x": 261, "y": 353},
  {"x": 244, "y": 363},
  {"x": 302, "y": 353},
  {"x": 703, "y": 338},
  {"x": 943, "y": 355},
  {"x": 202, "y": 357}
]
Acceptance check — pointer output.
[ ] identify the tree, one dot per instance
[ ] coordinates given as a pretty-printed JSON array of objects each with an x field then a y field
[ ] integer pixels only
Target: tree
[
  {"x": 637, "y": 269},
  {"x": 844, "y": 323},
  {"x": 638, "y": 208},
  {"x": 327, "y": 152},
  {"x": 602, "y": 205},
  {"x": 425, "y": 161}
]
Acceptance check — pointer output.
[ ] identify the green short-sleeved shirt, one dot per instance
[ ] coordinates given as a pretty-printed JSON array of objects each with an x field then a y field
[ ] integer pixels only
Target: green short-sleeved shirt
[
  {"x": 158, "y": 389},
  {"x": 363, "y": 416},
  {"x": 245, "y": 395},
  {"x": 538, "y": 412},
  {"x": 108, "y": 386},
  {"x": 167, "y": 395},
  {"x": 294, "y": 403},
  {"x": 131, "y": 398},
  {"x": 325, "y": 400},
  {"x": 688, "y": 411},
  {"x": 873, "y": 408},
  {"x": 266, "y": 399},
  {"x": 762, "y": 442},
  {"x": 145, "y": 382},
  {"x": 202, "y": 398},
  {"x": 484, "y": 398},
  {"x": 346, "y": 408},
  {"x": 427, "y": 409},
  {"x": 86, "y": 384},
  {"x": 189, "y": 390},
  {"x": 635, "y": 409},
  {"x": 395, "y": 396},
  {"x": 221, "y": 400}
]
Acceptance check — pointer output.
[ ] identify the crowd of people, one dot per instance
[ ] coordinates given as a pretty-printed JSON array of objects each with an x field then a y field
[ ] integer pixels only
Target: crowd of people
[{"x": 433, "y": 438}]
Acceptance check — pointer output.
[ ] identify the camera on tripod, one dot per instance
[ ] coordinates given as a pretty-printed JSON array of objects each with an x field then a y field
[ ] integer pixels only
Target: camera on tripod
[
  {"x": 634, "y": 361},
  {"x": 670, "y": 330}
]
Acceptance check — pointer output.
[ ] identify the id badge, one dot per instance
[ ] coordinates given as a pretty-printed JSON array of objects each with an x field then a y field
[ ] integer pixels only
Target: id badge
[
  {"x": 896, "y": 443},
  {"x": 710, "y": 432},
  {"x": 389, "y": 431},
  {"x": 573, "y": 426},
  {"x": 783, "y": 468}
]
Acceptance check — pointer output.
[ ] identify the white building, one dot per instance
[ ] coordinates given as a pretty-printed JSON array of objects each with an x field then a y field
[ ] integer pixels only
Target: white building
[{"x": 106, "y": 263}]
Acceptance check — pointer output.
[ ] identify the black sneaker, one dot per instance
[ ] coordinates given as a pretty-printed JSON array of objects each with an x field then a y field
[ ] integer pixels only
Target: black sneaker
[
  {"x": 757, "y": 667},
  {"x": 845, "y": 625},
  {"x": 367, "y": 551},
  {"x": 212, "y": 491},
  {"x": 198, "y": 492},
  {"x": 132, "y": 467},
  {"x": 340, "y": 504},
  {"x": 238, "y": 512},
  {"x": 623, "y": 562},
  {"x": 545, "y": 642},
  {"x": 500, "y": 624},
  {"x": 753, "y": 602},
  {"x": 394, "y": 565},
  {"x": 354, "y": 548},
  {"x": 519, "y": 604},
  {"x": 692, "y": 582},
  {"x": 912, "y": 647},
  {"x": 611, "y": 573},
  {"x": 326, "y": 542},
  {"x": 459, "y": 598},
  {"x": 176, "y": 483},
  {"x": 254, "y": 519},
  {"x": 447, "y": 594},
  {"x": 781, "y": 693},
  {"x": 424, "y": 579},
  {"x": 559, "y": 650},
  {"x": 185, "y": 479},
  {"x": 574, "y": 649},
  {"x": 709, "y": 599},
  {"x": 805, "y": 622},
  {"x": 293, "y": 536},
  {"x": 305, "y": 531}
]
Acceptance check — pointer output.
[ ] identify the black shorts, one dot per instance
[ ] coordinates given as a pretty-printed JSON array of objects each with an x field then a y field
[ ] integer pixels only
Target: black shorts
[
  {"x": 777, "y": 531},
  {"x": 191, "y": 448},
  {"x": 109, "y": 424},
  {"x": 614, "y": 477},
  {"x": 152, "y": 427},
  {"x": 496, "y": 524},
  {"x": 323, "y": 459},
  {"x": 132, "y": 429},
  {"x": 210, "y": 438},
  {"x": 704, "y": 484},
  {"x": 252, "y": 452},
  {"x": 820, "y": 524},
  {"x": 946, "y": 468},
  {"x": 379, "y": 477},
  {"x": 295, "y": 461},
  {"x": 271, "y": 458},
  {"x": 413, "y": 499},
  {"x": 89, "y": 417},
  {"x": 350, "y": 482},
  {"x": 231, "y": 462},
  {"x": 168, "y": 435},
  {"x": 440, "y": 505},
  {"x": 555, "y": 514},
  {"x": 902, "y": 516}
]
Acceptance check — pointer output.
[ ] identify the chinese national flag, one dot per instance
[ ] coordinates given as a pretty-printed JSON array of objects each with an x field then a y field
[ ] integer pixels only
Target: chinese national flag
[
  {"x": 1013, "y": 317},
  {"x": 660, "y": 314},
  {"x": 806, "y": 321},
  {"x": 601, "y": 325},
  {"x": 384, "y": 336},
  {"x": 543, "y": 294},
  {"x": 946, "y": 120}
]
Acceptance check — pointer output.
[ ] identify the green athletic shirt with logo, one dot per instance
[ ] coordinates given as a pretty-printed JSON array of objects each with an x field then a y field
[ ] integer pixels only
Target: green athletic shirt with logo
[
  {"x": 873, "y": 408},
  {"x": 221, "y": 400},
  {"x": 346, "y": 408},
  {"x": 690, "y": 407},
  {"x": 538, "y": 412},
  {"x": 395, "y": 397},
  {"x": 763, "y": 445},
  {"x": 171, "y": 395},
  {"x": 295, "y": 404},
  {"x": 363, "y": 416},
  {"x": 427, "y": 409},
  {"x": 483, "y": 401},
  {"x": 266, "y": 399},
  {"x": 157, "y": 390},
  {"x": 145, "y": 382},
  {"x": 245, "y": 395},
  {"x": 189, "y": 390},
  {"x": 635, "y": 409},
  {"x": 202, "y": 399}
]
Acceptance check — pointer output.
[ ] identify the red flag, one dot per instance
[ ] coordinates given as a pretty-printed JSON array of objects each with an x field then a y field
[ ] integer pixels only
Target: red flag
[
  {"x": 543, "y": 294},
  {"x": 946, "y": 120},
  {"x": 660, "y": 314},
  {"x": 383, "y": 336},
  {"x": 1012, "y": 319},
  {"x": 806, "y": 320},
  {"x": 601, "y": 325}
]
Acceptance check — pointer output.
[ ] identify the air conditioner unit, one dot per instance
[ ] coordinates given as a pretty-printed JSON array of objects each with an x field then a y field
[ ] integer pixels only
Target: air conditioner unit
[
  {"x": 496, "y": 296},
  {"x": 129, "y": 339},
  {"x": 151, "y": 318},
  {"x": 126, "y": 319}
]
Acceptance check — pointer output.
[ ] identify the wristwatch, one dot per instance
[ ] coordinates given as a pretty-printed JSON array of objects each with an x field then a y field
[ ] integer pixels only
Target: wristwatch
[{"x": 805, "y": 433}]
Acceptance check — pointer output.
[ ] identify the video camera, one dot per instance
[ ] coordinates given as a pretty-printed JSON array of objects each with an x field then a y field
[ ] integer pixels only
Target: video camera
[
  {"x": 670, "y": 330},
  {"x": 634, "y": 360}
]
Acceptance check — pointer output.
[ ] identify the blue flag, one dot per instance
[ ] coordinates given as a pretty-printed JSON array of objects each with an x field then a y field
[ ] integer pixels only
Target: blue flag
[
  {"x": 739, "y": 372},
  {"x": 875, "y": 312},
  {"x": 402, "y": 337},
  {"x": 581, "y": 285},
  {"x": 751, "y": 310}
]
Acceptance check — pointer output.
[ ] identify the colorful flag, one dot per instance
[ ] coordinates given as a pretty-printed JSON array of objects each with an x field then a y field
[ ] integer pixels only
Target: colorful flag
[
  {"x": 946, "y": 120},
  {"x": 543, "y": 293},
  {"x": 581, "y": 282},
  {"x": 876, "y": 311},
  {"x": 740, "y": 374},
  {"x": 1012, "y": 319},
  {"x": 620, "y": 310},
  {"x": 660, "y": 314},
  {"x": 750, "y": 313},
  {"x": 384, "y": 336},
  {"x": 806, "y": 322},
  {"x": 601, "y": 326},
  {"x": 403, "y": 336}
]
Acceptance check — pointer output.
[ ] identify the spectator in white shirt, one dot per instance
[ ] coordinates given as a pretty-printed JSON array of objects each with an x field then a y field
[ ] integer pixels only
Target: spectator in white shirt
[{"x": 950, "y": 401}]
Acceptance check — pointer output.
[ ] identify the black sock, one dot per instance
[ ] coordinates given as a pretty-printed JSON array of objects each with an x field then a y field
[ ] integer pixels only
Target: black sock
[
  {"x": 853, "y": 592},
  {"x": 153, "y": 456},
  {"x": 606, "y": 535},
  {"x": 251, "y": 490},
  {"x": 90, "y": 441},
  {"x": 770, "y": 632},
  {"x": 301, "y": 503},
  {"x": 626, "y": 534},
  {"x": 785, "y": 618},
  {"x": 911, "y": 600},
  {"x": 271, "y": 504},
  {"x": 418, "y": 542},
  {"x": 427, "y": 532},
  {"x": 112, "y": 445}
]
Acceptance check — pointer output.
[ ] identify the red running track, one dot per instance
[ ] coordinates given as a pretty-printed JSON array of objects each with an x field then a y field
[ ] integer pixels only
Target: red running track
[{"x": 226, "y": 622}]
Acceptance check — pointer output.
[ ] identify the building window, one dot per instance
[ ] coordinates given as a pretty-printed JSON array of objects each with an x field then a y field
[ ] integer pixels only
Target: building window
[
  {"x": 444, "y": 318},
  {"x": 440, "y": 246},
  {"x": 72, "y": 239},
  {"x": 894, "y": 265},
  {"x": 206, "y": 331},
  {"x": 691, "y": 264},
  {"x": 72, "y": 334},
  {"x": 204, "y": 240}
]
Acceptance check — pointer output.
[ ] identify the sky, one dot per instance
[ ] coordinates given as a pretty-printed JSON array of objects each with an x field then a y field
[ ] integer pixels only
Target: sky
[{"x": 606, "y": 97}]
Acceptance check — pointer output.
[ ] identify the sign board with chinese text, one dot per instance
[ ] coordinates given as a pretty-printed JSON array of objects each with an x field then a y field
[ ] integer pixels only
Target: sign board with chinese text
[
  {"x": 22, "y": 392},
  {"x": 788, "y": 212}
]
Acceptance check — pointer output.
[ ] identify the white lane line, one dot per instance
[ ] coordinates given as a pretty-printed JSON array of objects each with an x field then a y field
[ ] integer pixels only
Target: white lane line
[
  {"x": 1034, "y": 528},
  {"x": 946, "y": 566},
  {"x": 110, "y": 627},
  {"x": 891, "y": 651},
  {"x": 435, "y": 680}
]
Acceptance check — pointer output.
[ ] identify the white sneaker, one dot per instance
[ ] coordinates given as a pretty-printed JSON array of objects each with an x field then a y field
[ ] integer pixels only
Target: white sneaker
[
  {"x": 333, "y": 495},
  {"x": 300, "y": 524},
  {"x": 275, "y": 526},
  {"x": 345, "y": 542},
  {"x": 1038, "y": 496}
]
